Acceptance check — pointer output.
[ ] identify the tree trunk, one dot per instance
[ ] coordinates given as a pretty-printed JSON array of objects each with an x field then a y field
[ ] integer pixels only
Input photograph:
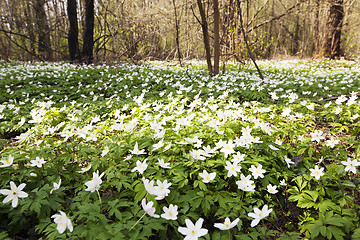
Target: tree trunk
[
  {"x": 295, "y": 48},
  {"x": 73, "y": 35},
  {"x": 216, "y": 36},
  {"x": 88, "y": 37},
  {"x": 331, "y": 46},
  {"x": 316, "y": 38},
  {"x": 246, "y": 41},
  {"x": 30, "y": 29},
  {"x": 43, "y": 30},
  {"x": 204, "y": 27},
  {"x": 177, "y": 32}
]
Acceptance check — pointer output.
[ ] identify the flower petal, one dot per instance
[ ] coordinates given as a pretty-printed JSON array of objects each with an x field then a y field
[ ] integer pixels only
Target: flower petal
[{"x": 14, "y": 202}]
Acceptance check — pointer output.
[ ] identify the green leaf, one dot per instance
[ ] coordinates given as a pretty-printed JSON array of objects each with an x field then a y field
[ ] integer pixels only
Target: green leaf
[
  {"x": 290, "y": 236},
  {"x": 323, "y": 231},
  {"x": 336, "y": 232},
  {"x": 314, "y": 194},
  {"x": 314, "y": 228},
  {"x": 356, "y": 234},
  {"x": 306, "y": 201},
  {"x": 4, "y": 236},
  {"x": 326, "y": 205}
]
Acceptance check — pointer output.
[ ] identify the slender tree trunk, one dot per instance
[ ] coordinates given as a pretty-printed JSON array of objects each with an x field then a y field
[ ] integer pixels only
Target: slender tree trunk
[
  {"x": 295, "y": 48},
  {"x": 30, "y": 28},
  {"x": 73, "y": 35},
  {"x": 88, "y": 37},
  {"x": 270, "y": 32},
  {"x": 206, "y": 37},
  {"x": 331, "y": 46},
  {"x": 177, "y": 32},
  {"x": 216, "y": 36},
  {"x": 43, "y": 30},
  {"x": 316, "y": 36},
  {"x": 246, "y": 41}
]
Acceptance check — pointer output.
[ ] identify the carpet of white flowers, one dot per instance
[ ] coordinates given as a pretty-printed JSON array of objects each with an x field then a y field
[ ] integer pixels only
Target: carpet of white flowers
[{"x": 166, "y": 152}]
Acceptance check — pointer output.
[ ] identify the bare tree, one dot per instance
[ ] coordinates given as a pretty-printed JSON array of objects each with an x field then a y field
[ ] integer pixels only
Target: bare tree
[
  {"x": 73, "y": 34},
  {"x": 216, "y": 36},
  {"x": 88, "y": 35},
  {"x": 206, "y": 38},
  {"x": 43, "y": 30},
  {"x": 332, "y": 41}
]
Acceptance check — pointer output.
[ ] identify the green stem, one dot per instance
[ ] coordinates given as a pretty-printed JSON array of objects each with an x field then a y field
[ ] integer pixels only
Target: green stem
[
  {"x": 230, "y": 238},
  {"x": 137, "y": 222},
  {"x": 99, "y": 196}
]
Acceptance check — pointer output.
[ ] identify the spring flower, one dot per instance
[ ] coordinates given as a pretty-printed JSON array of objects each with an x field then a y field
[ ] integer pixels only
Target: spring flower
[
  {"x": 148, "y": 208},
  {"x": 14, "y": 193},
  {"x": 259, "y": 214},
  {"x": 22, "y": 121},
  {"x": 227, "y": 224},
  {"x": 170, "y": 213},
  {"x": 245, "y": 183},
  {"x": 351, "y": 165},
  {"x": 23, "y": 136},
  {"x": 337, "y": 110},
  {"x": 56, "y": 186},
  {"x": 238, "y": 157},
  {"x": 62, "y": 222},
  {"x": 7, "y": 162},
  {"x": 272, "y": 189},
  {"x": 193, "y": 231},
  {"x": 317, "y": 136},
  {"x": 233, "y": 168},
  {"x": 257, "y": 171},
  {"x": 149, "y": 186},
  {"x": 158, "y": 145},
  {"x": 228, "y": 148},
  {"x": 331, "y": 143},
  {"x": 136, "y": 150},
  {"x": 273, "y": 147},
  {"x": 197, "y": 154},
  {"x": 162, "y": 189},
  {"x": 317, "y": 172},
  {"x": 301, "y": 138},
  {"x": 38, "y": 162},
  {"x": 355, "y": 116},
  {"x": 282, "y": 182},
  {"x": 286, "y": 112},
  {"x": 94, "y": 184},
  {"x": 167, "y": 146},
  {"x": 140, "y": 166},
  {"x": 105, "y": 151},
  {"x": 288, "y": 161},
  {"x": 207, "y": 177},
  {"x": 84, "y": 169},
  {"x": 163, "y": 164}
]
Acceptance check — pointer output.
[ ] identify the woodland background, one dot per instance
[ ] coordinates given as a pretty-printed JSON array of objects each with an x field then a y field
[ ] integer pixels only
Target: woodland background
[{"x": 133, "y": 30}]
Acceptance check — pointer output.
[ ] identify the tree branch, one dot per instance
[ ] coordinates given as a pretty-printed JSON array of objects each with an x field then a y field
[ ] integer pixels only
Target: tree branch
[{"x": 276, "y": 17}]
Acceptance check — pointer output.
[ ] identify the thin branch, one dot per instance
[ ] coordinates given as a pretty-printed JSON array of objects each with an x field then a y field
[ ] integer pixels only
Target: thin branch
[
  {"x": 257, "y": 12},
  {"x": 246, "y": 41},
  {"x": 276, "y": 17},
  {"x": 192, "y": 9},
  {"x": 24, "y": 48}
]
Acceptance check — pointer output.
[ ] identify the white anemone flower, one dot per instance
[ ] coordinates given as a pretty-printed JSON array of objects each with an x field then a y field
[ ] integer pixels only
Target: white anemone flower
[
  {"x": 227, "y": 224},
  {"x": 62, "y": 222},
  {"x": 14, "y": 193}
]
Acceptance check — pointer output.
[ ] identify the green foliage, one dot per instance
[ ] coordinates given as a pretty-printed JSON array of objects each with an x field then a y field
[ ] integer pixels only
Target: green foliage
[{"x": 84, "y": 121}]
